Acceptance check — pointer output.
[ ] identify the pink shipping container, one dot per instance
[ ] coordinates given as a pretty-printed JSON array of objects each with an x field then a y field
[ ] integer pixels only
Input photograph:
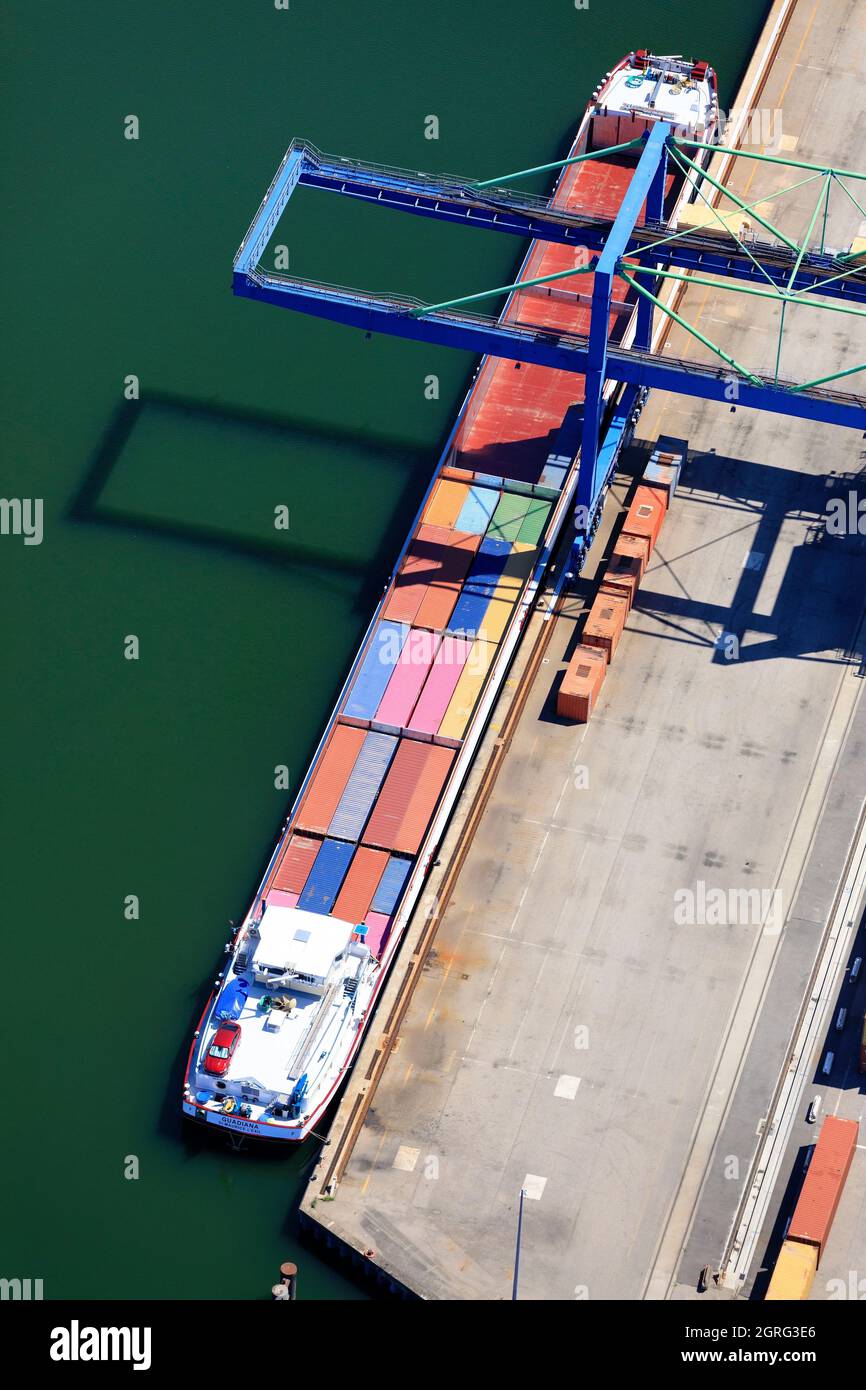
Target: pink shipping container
[
  {"x": 408, "y": 797},
  {"x": 407, "y": 680},
  {"x": 377, "y": 924},
  {"x": 439, "y": 685}
]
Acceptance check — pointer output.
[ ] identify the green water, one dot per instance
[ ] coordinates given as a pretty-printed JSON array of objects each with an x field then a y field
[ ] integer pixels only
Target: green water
[{"x": 155, "y": 777}]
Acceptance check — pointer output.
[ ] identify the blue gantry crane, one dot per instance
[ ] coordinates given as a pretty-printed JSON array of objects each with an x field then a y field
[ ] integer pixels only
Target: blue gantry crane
[{"x": 644, "y": 254}]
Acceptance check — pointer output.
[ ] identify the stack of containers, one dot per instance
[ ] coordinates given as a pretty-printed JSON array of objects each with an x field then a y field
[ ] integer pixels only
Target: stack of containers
[{"x": 581, "y": 684}]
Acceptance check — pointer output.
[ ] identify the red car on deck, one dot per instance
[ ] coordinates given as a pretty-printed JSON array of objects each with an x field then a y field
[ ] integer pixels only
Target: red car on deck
[{"x": 222, "y": 1049}]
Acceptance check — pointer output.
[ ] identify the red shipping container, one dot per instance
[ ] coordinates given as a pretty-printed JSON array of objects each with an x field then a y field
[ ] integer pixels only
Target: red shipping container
[
  {"x": 360, "y": 884},
  {"x": 645, "y": 515},
  {"x": 329, "y": 779},
  {"x": 819, "y": 1198},
  {"x": 581, "y": 683},
  {"x": 605, "y": 622},
  {"x": 295, "y": 864},
  {"x": 408, "y": 797}
]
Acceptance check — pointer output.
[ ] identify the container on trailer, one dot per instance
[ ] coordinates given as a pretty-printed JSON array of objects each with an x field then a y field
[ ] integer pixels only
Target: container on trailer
[
  {"x": 295, "y": 864},
  {"x": 581, "y": 683},
  {"x": 326, "y": 876},
  {"x": 364, "y": 782},
  {"x": 605, "y": 622},
  {"x": 794, "y": 1273},
  {"x": 407, "y": 679},
  {"x": 391, "y": 884},
  {"x": 451, "y": 657},
  {"x": 645, "y": 515},
  {"x": 445, "y": 502},
  {"x": 819, "y": 1198},
  {"x": 662, "y": 478},
  {"x": 453, "y": 563},
  {"x": 408, "y": 797},
  {"x": 375, "y": 670},
  {"x": 467, "y": 691},
  {"x": 359, "y": 886},
  {"x": 330, "y": 775},
  {"x": 477, "y": 509},
  {"x": 862, "y": 1064},
  {"x": 625, "y": 568}
]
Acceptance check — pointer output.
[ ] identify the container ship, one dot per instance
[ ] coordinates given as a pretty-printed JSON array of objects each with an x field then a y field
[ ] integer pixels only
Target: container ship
[{"x": 301, "y": 977}]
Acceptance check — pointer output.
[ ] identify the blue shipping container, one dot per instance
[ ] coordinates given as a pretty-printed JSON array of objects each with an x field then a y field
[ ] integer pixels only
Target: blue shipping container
[
  {"x": 375, "y": 671},
  {"x": 468, "y": 613},
  {"x": 391, "y": 885},
  {"x": 363, "y": 786},
  {"x": 487, "y": 567},
  {"x": 326, "y": 876},
  {"x": 477, "y": 510}
]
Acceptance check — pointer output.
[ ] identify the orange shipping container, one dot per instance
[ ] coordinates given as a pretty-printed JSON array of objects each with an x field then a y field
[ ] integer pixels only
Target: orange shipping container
[
  {"x": 450, "y": 554},
  {"x": 605, "y": 622},
  {"x": 409, "y": 795},
  {"x": 328, "y": 782},
  {"x": 437, "y": 555},
  {"x": 294, "y": 867},
  {"x": 816, "y": 1207},
  {"x": 626, "y": 566},
  {"x": 645, "y": 515},
  {"x": 581, "y": 683},
  {"x": 360, "y": 884},
  {"x": 445, "y": 503}
]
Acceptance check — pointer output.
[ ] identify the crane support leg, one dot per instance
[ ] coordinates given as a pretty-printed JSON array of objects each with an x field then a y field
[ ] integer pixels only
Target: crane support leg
[{"x": 648, "y": 182}]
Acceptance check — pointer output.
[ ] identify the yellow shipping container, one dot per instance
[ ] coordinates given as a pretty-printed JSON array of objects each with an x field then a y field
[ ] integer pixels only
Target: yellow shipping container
[
  {"x": 518, "y": 568},
  {"x": 467, "y": 689},
  {"x": 794, "y": 1272}
]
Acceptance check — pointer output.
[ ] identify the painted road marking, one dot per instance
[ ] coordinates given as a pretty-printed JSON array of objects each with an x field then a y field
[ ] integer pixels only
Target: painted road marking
[
  {"x": 406, "y": 1158},
  {"x": 566, "y": 1087}
]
